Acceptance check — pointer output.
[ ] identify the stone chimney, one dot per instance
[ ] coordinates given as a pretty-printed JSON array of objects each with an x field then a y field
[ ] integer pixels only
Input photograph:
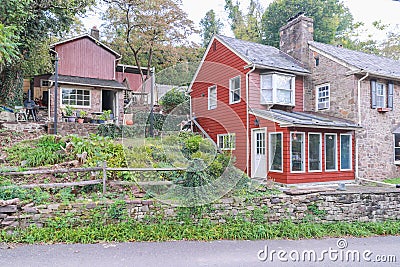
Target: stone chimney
[
  {"x": 95, "y": 33},
  {"x": 295, "y": 35}
]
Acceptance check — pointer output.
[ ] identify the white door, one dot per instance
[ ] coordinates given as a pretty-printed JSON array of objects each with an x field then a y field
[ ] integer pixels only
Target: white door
[{"x": 259, "y": 152}]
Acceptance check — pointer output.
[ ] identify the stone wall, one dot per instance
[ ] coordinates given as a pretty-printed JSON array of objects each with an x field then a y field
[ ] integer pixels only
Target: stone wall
[
  {"x": 29, "y": 127},
  {"x": 332, "y": 206},
  {"x": 67, "y": 128}
]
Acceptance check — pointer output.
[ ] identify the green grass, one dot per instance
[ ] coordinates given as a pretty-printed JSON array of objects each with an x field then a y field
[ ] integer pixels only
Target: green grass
[
  {"x": 171, "y": 230},
  {"x": 392, "y": 181}
]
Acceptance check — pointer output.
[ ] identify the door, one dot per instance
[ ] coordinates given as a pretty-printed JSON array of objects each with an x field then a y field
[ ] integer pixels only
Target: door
[{"x": 259, "y": 152}]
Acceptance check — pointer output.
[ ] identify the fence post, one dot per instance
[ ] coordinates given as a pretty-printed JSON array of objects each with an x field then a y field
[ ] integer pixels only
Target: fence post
[{"x": 104, "y": 176}]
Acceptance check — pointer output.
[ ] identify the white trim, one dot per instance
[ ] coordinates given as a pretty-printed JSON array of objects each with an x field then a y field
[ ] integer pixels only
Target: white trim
[
  {"x": 336, "y": 152},
  {"x": 317, "y": 96},
  {"x": 269, "y": 152},
  {"x": 76, "y": 106},
  {"x": 229, "y": 135},
  {"x": 230, "y": 89},
  {"x": 209, "y": 97},
  {"x": 320, "y": 151},
  {"x": 303, "y": 152},
  {"x": 351, "y": 152},
  {"x": 396, "y": 162}
]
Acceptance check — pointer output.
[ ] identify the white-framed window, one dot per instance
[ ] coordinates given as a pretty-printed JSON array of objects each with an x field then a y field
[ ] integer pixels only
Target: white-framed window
[
  {"x": 297, "y": 152},
  {"x": 275, "y": 152},
  {"x": 277, "y": 88},
  {"x": 314, "y": 152},
  {"x": 234, "y": 90},
  {"x": 382, "y": 94},
  {"x": 345, "y": 152},
  {"x": 75, "y": 97},
  {"x": 226, "y": 141},
  {"x": 212, "y": 97},
  {"x": 330, "y": 152},
  {"x": 397, "y": 148},
  {"x": 323, "y": 96}
]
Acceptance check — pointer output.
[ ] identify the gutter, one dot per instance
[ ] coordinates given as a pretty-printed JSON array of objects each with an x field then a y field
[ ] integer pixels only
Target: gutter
[
  {"x": 359, "y": 120},
  {"x": 248, "y": 117}
]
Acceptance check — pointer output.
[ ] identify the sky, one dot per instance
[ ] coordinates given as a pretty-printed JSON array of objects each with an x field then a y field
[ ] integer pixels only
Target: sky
[{"x": 367, "y": 11}]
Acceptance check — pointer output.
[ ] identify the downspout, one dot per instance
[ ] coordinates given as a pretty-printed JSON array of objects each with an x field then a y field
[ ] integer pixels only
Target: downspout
[
  {"x": 359, "y": 119},
  {"x": 248, "y": 118},
  {"x": 115, "y": 66}
]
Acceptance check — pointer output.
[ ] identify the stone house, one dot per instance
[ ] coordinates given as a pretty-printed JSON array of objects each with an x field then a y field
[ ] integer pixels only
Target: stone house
[{"x": 352, "y": 85}]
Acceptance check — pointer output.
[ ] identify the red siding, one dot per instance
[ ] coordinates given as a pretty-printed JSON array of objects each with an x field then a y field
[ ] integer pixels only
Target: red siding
[
  {"x": 299, "y": 94},
  {"x": 219, "y": 66},
  {"x": 134, "y": 80},
  {"x": 84, "y": 58}
]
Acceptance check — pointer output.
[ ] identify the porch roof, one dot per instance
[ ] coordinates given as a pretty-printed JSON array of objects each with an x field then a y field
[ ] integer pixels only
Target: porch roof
[
  {"x": 83, "y": 81},
  {"x": 304, "y": 119}
]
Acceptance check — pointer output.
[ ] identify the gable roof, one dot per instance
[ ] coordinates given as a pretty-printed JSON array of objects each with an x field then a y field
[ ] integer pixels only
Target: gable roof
[
  {"x": 360, "y": 61},
  {"x": 263, "y": 56},
  {"x": 86, "y": 36},
  {"x": 304, "y": 119}
]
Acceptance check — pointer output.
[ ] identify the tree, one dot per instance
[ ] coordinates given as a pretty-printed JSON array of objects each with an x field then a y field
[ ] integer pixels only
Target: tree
[
  {"x": 245, "y": 27},
  {"x": 147, "y": 28},
  {"x": 8, "y": 48},
  {"x": 173, "y": 99},
  {"x": 32, "y": 22},
  {"x": 210, "y": 25},
  {"x": 331, "y": 18}
]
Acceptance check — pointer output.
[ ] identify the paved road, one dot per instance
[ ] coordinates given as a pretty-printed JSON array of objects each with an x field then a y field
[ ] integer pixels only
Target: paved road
[{"x": 218, "y": 253}]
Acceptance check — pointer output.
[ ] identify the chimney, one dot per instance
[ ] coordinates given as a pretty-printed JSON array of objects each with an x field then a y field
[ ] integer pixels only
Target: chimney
[
  {"x": 95, "y": 33},
  {"x": 295, "y": 35}
]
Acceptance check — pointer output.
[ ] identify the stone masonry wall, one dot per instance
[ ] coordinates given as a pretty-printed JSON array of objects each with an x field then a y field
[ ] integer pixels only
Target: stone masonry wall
[
  {"x": 67, "y": 128},
  {"x": 321, "y": 207}
]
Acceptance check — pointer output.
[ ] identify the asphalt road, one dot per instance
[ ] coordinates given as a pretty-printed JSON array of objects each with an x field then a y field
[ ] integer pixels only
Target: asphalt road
[{"x": 328, "y": 252}]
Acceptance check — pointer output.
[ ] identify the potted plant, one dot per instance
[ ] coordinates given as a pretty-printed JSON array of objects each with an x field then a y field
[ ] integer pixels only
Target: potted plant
[
  {"x": 82, "y": 116},
  {"x": 69, "y": 113},
  {"x": 105, "y": 116}
]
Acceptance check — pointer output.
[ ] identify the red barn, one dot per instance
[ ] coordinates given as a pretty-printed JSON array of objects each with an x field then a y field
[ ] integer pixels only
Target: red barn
[{"x": 248, "y": 98}]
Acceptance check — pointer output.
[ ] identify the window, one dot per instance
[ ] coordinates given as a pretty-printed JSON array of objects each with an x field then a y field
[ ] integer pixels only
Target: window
[
  {"x": 323, "y": 97},
  {"x": 314, "y": 152},
  {"x": 345, "y": 152},
  {"x": 397, "y": 148},
  {"x": 382, "y": 95},
  {"x": 275, "y": 152},
  {"x": 75, "y": 97},
  {"x": 212, "y": 97},
  {"x": 296, "y": 152},
  {"x": 226, "y": 141},
  {"x": 234, "y": 90},
  {"x": 277, "y": 89},
  {"x": 330, "y": 152}
]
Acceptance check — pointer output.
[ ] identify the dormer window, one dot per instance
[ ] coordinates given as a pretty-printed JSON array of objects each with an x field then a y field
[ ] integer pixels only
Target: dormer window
[{"x": 277, "y": 88}]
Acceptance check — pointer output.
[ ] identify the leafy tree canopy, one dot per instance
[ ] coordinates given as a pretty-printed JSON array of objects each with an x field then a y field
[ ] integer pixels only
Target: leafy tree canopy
[
  {"x": 210, "y": 25},
  {"x": 331, "y": 18}
]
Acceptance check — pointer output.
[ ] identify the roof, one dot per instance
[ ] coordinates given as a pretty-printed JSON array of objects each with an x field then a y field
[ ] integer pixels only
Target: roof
[
  {"x": 370, "y": 63},
  {"x": 73, "y": 80},
  {"x": 304, "y": 119},
  {"x": 263, "y": 56},
  {"x": 86, "y": 36},
  {"x": 130, "y": 69}
]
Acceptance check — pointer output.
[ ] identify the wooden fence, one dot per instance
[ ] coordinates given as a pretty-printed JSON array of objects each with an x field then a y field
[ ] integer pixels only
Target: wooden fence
[{"x": 103, "y": 169}]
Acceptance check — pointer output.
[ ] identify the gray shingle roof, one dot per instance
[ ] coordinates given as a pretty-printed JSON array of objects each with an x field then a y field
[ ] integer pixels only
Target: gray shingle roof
[
  {"x": 63, "y": 79},
  {"x": 367, "y": 62},
  {"x": 263, "y": 55},
  {"x": 304, "y": 119}
]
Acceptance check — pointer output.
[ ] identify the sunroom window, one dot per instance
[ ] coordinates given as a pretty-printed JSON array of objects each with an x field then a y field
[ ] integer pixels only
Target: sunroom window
[{"x": 277, "y": 88}]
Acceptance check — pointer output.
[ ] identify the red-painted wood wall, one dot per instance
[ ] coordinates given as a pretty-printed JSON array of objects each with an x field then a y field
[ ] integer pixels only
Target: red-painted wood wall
[{"x": 84, "y": 58}]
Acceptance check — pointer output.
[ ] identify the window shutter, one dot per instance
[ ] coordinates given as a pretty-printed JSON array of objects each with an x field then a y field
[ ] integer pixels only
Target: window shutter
[
  {"x": 373, "y": 93},
  {"x": 390, "y": 95}
]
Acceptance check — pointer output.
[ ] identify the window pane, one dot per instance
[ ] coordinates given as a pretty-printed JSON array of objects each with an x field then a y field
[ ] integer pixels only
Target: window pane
[
  {"x": 314, "y": 152},
  {"x": 330, "y": 152},
  {"x": 266, "y": 81},
  {"x": 276, "y": 152},
  {"x": 284, "y": 96},
  {"x": 345, "y": 152},
  {"x": 212, "y": 98},
  {"x": 297, "y": 158},
  {"x": 266, "y": 95},
  {"x": 283, "y": 82}
]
